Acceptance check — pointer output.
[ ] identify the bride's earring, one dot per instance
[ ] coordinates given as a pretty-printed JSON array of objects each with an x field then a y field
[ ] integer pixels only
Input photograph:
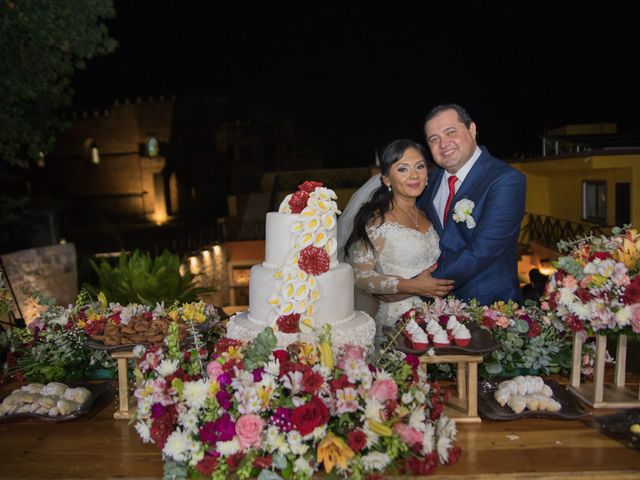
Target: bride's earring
[{"x": 389, "y": 187}]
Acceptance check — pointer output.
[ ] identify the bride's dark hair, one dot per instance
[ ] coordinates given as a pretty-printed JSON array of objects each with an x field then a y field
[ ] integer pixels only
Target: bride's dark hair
[{"x": 381, "y": 198}]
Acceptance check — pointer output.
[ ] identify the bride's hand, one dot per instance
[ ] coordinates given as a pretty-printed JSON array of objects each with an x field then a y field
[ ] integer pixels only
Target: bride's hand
[{"x": 425, "y": 285}]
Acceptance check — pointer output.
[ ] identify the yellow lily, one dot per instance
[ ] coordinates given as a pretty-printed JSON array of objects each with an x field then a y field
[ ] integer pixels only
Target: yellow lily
[
  {"x": 333, "y": 451},
  {"x": 379, "y": 428},
  {"x": 326, "y": 355}
]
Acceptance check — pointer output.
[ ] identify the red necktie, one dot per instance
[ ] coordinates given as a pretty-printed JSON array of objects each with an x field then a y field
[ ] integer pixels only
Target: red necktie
[{"x": 452, "y": 191}]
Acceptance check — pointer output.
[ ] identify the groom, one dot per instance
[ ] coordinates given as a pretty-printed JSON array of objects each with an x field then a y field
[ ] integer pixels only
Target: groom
[{"x": 476, "y": 203}]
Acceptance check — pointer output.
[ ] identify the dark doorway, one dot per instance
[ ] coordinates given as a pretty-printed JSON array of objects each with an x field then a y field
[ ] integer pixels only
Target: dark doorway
[{"x": 623, "y": 203}]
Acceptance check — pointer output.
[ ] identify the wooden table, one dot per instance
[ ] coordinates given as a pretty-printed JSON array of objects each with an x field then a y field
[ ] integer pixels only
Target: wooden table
[{"x": 99, "y": 446}]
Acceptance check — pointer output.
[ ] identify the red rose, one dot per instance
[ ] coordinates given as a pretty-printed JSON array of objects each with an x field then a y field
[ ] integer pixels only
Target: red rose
[
  {"x": 288, "y": 323},
  {"x": 311, "y": 382},
  {"x": 298, "y": 201},
  {"x": 632, "y": 292},
  {"x": 534, "y": 330},
  {"x": 307, "y": 417},
  {"x": 309, "y": 186},
  {"x": 314, "y": 261},
  {"x": 357, "y": 440},
  {"x": 163, "y": 426},
  {"x": 207, "y": 465}
]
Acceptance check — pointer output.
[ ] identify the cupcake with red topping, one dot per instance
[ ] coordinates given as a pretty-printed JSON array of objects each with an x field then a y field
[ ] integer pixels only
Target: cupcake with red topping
[
  {"x": 416, "y": 336},
  {"x": 462, "y": 336},
  {"x": 441, "y": 339}
]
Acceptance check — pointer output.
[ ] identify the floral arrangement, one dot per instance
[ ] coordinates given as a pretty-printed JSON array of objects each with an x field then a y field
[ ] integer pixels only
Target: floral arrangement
[
  {"x": 54, "y": 345},
  {"x": 51, "y": 348},
  {"x": 6, "y": 298},
  {"x": 251, "y": 410},
  {"x": 313, "y": 242},
  {"x": 596, "y": 288},
  {"x": 528, "y": 340}
]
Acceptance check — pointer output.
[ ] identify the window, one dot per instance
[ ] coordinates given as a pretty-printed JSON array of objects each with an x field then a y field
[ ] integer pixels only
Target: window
[
  {"x": 594, "y": 201},
  {"x": 151, "y": 147}
]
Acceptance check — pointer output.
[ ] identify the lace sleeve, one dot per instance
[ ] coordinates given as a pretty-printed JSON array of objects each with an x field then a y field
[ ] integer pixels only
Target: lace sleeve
[{"x": 364, "y": 263}]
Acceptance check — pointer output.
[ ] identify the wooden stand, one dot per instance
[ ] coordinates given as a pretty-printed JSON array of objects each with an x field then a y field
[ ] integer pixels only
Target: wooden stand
[
  {"x": 598, "y": 394},
  {"x": 464, "y": 407},
  {"x": 124, "y": 411}
]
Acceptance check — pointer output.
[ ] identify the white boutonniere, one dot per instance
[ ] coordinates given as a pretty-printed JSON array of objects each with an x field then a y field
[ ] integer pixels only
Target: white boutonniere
[{"x": 462, "y": 212}]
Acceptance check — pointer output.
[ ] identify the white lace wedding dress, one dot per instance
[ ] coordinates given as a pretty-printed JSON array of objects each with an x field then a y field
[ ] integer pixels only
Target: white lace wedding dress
[{"x": 401, "y": 252}]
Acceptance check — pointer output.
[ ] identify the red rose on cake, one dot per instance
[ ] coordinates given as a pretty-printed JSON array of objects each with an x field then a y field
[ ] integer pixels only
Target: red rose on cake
[
  {"x": 313, "y": 260},
  {"x": 288, "y": 323}
]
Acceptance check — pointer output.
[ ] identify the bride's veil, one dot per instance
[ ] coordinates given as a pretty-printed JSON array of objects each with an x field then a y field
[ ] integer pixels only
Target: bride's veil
[{"x": 363, "y": 300}]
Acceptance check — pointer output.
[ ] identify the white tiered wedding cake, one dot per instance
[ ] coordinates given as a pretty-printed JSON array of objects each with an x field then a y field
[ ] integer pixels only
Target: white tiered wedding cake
[{"x": 301, "y": 285}]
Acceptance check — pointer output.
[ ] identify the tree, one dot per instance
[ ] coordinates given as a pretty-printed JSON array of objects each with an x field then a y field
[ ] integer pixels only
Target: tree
[{"x": 42, "y": 44}]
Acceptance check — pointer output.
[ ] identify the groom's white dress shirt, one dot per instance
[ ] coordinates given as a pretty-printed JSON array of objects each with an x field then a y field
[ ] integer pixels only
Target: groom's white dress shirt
[{"x": 440, "y": 199}]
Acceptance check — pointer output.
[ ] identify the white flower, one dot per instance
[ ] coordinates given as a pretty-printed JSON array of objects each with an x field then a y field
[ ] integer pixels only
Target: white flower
[
  {"x": 139, "y": 350},
  {"x": 167, "y": 367},
  {"x": 272, "y": 368},
  {"x": 298, "y": 447},
  {"x": 566, "y": 296},
  {"x": 144, "y": 431},
  {"x": 444, "y": 444},
  {"x": 301, "y": 465},
  {"x": 581, "y": 310},
  {"x": 420, "y": 396},
  {"x": 226, "y": 449},
  {"x": 284, "y": 206},
  {"x": 623, "y": 316},
  {"x": 407, "y": 398},
  {"x": 195, "y": 393},
  {"x": 417, "y": 419},
  {"x": 372, "y": 437},
  {"x": 446, "y": 427},
  {"x": 177, "y": 446},
  {"x": 373, "y": 410},
  {"x": 462, "y": 212},
  {"x": 428, "y": 439},
  {"x": 375, "y": 461}
]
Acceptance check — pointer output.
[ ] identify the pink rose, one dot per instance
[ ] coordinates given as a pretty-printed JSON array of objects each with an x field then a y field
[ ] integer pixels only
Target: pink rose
[
  {"x": 248, "y": 429},
  {"x": 407, "y": 434},
  {"x": 635, "y": 317},
  {"x": 570, "y": 281},
  {"x": 383, "y": 390},
  {"x": 214, "y": 370}
]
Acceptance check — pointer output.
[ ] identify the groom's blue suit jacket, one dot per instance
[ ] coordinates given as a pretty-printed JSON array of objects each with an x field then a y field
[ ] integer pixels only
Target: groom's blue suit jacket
[{"x": 482, "y": 260}]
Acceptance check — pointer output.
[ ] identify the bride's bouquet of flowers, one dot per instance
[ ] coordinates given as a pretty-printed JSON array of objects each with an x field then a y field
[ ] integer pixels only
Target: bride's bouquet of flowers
[
  {"x": 254, "y": 410},
  {"x": 596, "y": 288}
]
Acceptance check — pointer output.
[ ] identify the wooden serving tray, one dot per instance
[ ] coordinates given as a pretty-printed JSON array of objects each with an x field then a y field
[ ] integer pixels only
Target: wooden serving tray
[
  {"x": 481, "y": 342},
  {"x": 96, "y": 389},
  {"x": 489, "y": 408}
]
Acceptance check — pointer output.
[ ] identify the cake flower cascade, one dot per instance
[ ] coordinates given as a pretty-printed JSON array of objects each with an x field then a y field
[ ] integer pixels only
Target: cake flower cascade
[{"x": 312, "y": 244}]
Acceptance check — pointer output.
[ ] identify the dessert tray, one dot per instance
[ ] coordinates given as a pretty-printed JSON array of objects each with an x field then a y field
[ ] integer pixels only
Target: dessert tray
[
  {"x": 481, "y": 342},
  {"x": 618, "y": 426},
  {"x": 96, "y": 389},
  {"x": 489, "y": 408},
  {"x": 98, "y": 345}
]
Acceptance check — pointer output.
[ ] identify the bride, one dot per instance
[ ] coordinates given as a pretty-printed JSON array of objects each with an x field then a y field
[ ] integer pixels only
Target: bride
[{"x": 392, "y": 246}]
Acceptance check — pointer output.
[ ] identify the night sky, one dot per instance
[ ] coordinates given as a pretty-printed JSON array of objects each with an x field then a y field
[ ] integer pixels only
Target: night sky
[{"x": 353, "y": 78}]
